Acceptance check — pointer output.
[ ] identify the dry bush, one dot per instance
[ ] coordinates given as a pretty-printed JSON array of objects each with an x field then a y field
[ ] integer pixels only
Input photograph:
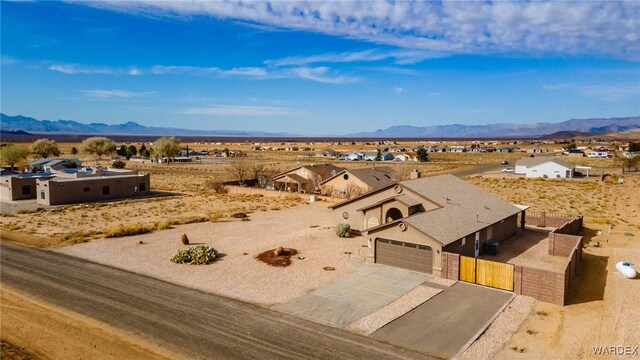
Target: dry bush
[
  {"x": 78, "y": 237},
  {"x": 215, "y": 215},
  {"x": 164, "y": 224},
  {"x": 126, "y": 230},
  {"x": 216, "y": 186}
]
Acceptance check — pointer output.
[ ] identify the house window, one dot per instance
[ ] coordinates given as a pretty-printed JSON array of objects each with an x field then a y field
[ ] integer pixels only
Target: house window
[
  {"x": 42, "y": 195},
  {"x": 345, "y": 176},
  {"x": 142, "y": 187},
  {"x": 463, "y": 242},
  {"x": 26, "y": 189},
  {"x": 106, "y": 190},
  {"x": 85, "y": 189}
]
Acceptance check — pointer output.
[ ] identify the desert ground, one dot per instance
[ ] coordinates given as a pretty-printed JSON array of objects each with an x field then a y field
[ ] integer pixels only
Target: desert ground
[
  {"x": 39, "y": 327},
  {"x": 602, "y": 307}
]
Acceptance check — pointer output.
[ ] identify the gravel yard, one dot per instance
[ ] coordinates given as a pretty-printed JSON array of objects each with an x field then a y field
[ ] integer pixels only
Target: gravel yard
[
  {"x": 237, "y": 274},
  {"x": 392, "y": 311}
]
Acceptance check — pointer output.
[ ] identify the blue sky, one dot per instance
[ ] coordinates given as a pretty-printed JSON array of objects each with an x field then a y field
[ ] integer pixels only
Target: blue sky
[{"x": 318, "y": 68}]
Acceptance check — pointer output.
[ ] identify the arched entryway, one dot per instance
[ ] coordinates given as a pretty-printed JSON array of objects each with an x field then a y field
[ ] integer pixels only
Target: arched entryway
[{"x": 393, "y": 214}]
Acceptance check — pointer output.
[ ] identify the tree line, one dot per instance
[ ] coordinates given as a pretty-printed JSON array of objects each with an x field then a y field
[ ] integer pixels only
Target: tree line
[{"x": 12, "y": 154}]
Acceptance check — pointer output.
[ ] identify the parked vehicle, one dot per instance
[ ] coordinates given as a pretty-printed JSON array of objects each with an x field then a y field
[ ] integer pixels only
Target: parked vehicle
[
  {"x": 504, "y": 162},
  {"x": 508, "y": 170}
]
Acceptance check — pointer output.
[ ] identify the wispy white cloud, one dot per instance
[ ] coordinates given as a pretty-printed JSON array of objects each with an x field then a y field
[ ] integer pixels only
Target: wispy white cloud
[
  {"x": 74, "y": 69},
  {"x": 101, "y": 94},
  {"x": 323, "y": 74},
  {"x": 371, "y": 55},
  {"x": 239, "y": 110},
  {"x": 605, "y": 92},
  {"x": 320, "y": 74},
  {"x": 609, "y": 28},
  {"x": 398, "y": 90}
]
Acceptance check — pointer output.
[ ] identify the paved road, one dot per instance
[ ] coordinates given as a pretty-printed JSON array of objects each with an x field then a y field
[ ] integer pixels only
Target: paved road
[
  {"x": 444, "y": 324},
  {"x": 182, "y": 320}
]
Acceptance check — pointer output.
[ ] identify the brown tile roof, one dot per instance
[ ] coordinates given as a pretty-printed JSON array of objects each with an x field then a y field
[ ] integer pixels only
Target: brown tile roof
[
  {"x": 464, "y": 209},
  {"x": 375, "y": 178},
  {"x": 324, "y": 170}
]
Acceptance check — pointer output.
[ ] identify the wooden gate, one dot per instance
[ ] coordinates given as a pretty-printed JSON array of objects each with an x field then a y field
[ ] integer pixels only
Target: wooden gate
[
  {"x": 468, "y": 269},
  {"x": 488, "y": 273},
  {"x": 494, "y": 274}
]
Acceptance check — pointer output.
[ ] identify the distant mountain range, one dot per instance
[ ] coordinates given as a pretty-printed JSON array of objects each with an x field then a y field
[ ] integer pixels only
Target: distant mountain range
[
  {"x": 562, "y": 130},
  {"x": 590, "y": 126},
  {"x": 24, "y": 123}
]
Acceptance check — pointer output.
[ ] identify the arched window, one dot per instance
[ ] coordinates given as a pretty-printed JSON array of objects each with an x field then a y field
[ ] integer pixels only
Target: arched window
[{"x": 393, "y": 214}]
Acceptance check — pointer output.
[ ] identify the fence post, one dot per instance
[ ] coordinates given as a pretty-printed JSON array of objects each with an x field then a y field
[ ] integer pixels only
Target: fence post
[{"x": 543, "y": 218}]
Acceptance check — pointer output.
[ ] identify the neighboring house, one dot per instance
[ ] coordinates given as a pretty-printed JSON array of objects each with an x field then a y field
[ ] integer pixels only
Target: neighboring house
[
  {"x": 458, "y": 149},
  {"x": 575, "y": 153},
  {"x": 372, "y": 155},
  {"x": 304, "y": 178},
  {"x": 405, "y": 157},
  {"x": 598, "y": 154},
  {"x": 20, "y": 186},
  {"x": 537, "y": 150},
  {"x": 544, "y": 167},
  {"x": 353, "y": 182},
  {"x": 328, "y": 153},
  {"x": 410, "y": 223},
  {"x": 354, "y": 156},
  {"x": 69, "y": 186},
  {"x": 47, "y": 165},
  {"x": 97, "y": 186},
  {"x": 508, "y": 149}
]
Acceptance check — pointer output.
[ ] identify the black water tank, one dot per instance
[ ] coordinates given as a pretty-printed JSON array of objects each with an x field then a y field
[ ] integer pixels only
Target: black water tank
[{"x": 492, "y": 247}]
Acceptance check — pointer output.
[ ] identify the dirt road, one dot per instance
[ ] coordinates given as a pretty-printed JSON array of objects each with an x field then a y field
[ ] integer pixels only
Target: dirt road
[{"x": 176, "y": 319}]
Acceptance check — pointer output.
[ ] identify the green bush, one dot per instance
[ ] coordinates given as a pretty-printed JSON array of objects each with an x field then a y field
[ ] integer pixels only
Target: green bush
[
  {"x": 343, "y": 230},
  {"x": 119, "y": 164},
  {"x": 199, "y": 255}
]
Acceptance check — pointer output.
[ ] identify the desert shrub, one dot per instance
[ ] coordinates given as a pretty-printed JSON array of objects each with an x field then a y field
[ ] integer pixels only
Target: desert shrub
[
  {"x": 119, "y": 164},
  {"x": 182, "y": 257},
  {"x": 126, "y": 230},
  {"x": 199, "y": 255},
  {"x": 214, "y": 215},
  {"x": 216, "y": 186},
  {"x": 164, "y": 224},
  {"x": 343, "y": 230}
]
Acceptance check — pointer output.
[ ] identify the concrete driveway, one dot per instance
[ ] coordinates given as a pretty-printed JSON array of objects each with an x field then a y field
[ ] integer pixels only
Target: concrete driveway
[
  {"x": 346, "y": 300},
  {"x": 443, "y": 325}
]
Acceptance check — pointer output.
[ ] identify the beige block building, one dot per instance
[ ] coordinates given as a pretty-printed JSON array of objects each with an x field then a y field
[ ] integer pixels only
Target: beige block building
[{"x": 60, "y": 190}]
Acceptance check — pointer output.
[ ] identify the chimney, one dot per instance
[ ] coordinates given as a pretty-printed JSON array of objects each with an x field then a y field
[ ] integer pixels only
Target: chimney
[{"x": 415, "y": 174}]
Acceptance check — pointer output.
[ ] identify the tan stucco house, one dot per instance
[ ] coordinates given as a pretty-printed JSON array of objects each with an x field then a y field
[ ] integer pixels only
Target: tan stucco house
[
  {"x": 305, "y": 178},
  {"x": 69, "y": 186},
  {"x": 410, "y": 223},
  {"x": 349, "y": 183},
  {"x": 91, "y": 184}
]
